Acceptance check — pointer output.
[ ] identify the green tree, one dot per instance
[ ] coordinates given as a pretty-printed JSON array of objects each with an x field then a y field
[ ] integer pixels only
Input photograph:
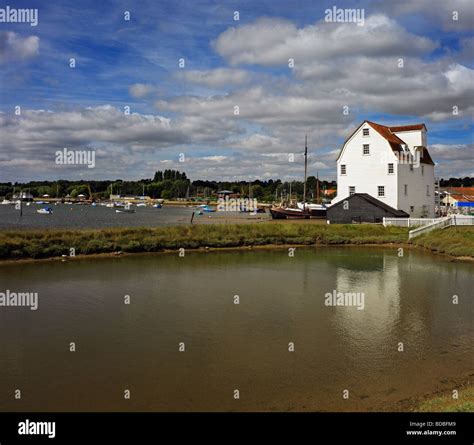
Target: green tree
[{"x": 166, "y": 194}]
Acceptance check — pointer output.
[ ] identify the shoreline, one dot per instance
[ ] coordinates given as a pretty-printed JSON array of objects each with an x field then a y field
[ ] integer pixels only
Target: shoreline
[
  {"x": 440, "y": 400},
  {"x": 108, "y": 255},
  {"x": 21, "y": 246}
]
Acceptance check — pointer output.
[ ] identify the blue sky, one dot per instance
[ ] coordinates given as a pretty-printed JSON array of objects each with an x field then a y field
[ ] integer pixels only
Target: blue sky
[{"x": 190, "y": 110}]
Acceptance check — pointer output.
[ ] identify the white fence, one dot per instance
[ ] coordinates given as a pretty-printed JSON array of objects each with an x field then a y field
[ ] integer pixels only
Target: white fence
[
  {"x": 440, "y": 223},
  {"x": 409, "y": 222},
  {"x": 462, "y": 220}
]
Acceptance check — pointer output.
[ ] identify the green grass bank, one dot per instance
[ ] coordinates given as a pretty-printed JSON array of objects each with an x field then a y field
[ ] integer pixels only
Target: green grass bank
[
  {"x": 455, "y": 241},
  {"x": 23, "y": 244},
  {"x": 51, "y": 243}
]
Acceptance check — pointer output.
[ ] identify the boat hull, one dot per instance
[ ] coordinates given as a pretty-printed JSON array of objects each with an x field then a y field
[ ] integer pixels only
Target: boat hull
[{"x": 278, "y": 213}]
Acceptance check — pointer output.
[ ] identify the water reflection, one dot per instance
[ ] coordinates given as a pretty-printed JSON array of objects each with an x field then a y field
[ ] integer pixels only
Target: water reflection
[{"x": 228, "y": 346}]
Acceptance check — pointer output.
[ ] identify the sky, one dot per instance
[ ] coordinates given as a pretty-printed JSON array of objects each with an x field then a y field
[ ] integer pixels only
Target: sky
[{"x": 227, "y": 90}]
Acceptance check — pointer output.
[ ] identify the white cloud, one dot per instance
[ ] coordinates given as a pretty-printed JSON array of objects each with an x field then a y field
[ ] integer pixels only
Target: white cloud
[
  {"x": 275, "y": 41},
  {"x": 15, "y": 47}
]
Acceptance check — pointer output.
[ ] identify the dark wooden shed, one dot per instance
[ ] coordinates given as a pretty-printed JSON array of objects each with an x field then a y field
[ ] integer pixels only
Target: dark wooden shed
[{"x": 361, "y": 207}]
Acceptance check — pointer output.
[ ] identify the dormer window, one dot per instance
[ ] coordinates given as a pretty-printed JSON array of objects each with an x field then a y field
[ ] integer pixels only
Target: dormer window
[
  {"x": 391, "y": 170},
  {"x": 366, "y": 149},
  {"x": 343, "y": 169},
  {"x": 365, "y": 132}
]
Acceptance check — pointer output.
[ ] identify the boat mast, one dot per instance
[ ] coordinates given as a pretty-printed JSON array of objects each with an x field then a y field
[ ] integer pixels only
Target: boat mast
[
  {"x": 305, "y": 169},
  {"x": 317, "y": 187}
]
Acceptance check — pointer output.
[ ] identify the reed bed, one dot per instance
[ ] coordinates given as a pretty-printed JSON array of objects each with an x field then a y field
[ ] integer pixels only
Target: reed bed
[{"x": 53, "y": 243}]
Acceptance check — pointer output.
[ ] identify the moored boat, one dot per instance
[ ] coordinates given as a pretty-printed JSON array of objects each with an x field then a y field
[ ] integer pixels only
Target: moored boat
[
  {"x": 289, "y": 213},
  {"x": 45, "y": 211},
  {"x": 315, "y": 210}
]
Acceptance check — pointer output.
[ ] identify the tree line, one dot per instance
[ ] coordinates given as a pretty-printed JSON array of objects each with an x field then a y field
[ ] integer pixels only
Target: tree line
[{"x": 171, "y": 184}]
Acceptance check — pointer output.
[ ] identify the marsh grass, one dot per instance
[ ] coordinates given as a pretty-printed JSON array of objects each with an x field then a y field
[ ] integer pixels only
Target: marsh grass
[{"x": 51, "y": 243}]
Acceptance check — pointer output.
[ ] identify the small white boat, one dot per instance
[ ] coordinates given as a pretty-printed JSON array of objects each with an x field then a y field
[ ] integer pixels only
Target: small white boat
[
  {"x": 45, "y": 211},
  {"x": 125, "y": 209},
  {"x": 142, "y": 204},
  {"x": 6, "y": 202}
]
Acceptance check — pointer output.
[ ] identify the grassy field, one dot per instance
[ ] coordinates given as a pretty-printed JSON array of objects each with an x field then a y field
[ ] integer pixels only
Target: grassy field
[
  {"x": 52, "y": 243},
  {"x": 455, "y": 241},
  {"x": 44, "y": 244}
]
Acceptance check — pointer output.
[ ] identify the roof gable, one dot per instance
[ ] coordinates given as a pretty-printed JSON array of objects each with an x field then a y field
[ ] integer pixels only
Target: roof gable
[
  {"x": 375, "y": 202},
  {"x": 395, "y": 142}
]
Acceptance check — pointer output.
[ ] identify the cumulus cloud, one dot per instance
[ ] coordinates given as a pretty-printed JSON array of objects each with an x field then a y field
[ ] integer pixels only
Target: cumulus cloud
[
  {"x": 119, "y": 139},
  {"x": 271, "y": 41},
  {"x": 452, "y": 15},
  {"x": 15, "y": 47}
]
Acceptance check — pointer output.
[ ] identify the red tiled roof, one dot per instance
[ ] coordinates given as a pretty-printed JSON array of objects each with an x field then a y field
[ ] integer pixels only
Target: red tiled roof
[
  {"x": 469, "y": 191},
  {"x": 407, "y": 128},
  {"x": 463, "y": 198},
  {"x": 392, "y": 139},
  {"x": 395, "y": 142}
]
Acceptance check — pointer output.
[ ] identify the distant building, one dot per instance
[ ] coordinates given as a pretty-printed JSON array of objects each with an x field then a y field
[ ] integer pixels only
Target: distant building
[
  {"x": 23, "y": 196},
  {"x": 391, "y": 164},
  {"x": 458, "y": 197},
  {"x": 222, "y": 194}
]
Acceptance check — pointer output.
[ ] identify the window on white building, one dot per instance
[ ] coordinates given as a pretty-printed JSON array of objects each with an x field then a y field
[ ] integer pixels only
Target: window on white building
[
  {"x": 422, "y": 169},
  {"x": 352, "y": 190},
  {"x": 406, "y": 189},
  {"x": 366, "y": 149},
  {"x": 411, "y": 167},
  {"x": 427, "y": 190},
  {"x": 343, "y": 169},
  {"x": 365, "y": 132},
  {"x": 381, "y": 191},
  {"x": 390, "y": 169},
  {"x": 412, "y": 209}
]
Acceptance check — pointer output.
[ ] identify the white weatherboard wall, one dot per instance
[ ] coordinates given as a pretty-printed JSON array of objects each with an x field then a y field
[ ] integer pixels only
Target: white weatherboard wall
[
  {"x": 413, "y": 138},
  {"x": 417, "y": 181},
  {"x": 367, "y": 172}
]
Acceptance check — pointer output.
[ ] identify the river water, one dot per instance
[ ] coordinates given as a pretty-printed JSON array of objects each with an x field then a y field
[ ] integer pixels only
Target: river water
[
  {"x": 100, "y": 217},
  {"x": 230, "y": 346}
]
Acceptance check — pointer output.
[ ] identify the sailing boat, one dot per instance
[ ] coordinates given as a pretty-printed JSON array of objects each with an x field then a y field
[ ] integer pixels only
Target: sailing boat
[
  {"x": 317, "y": 210},
  {"x": 282, "y": 212},
  {"x": 303, "y": 209}
]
